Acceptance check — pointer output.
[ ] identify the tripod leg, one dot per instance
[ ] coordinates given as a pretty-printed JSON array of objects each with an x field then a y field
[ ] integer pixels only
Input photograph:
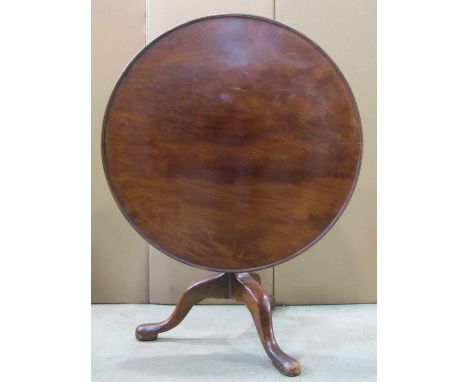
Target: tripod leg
[
  {"x": 257, "y": 278},
  {"x": 213, "y": 286},
  {"x": 248, "y": 291}
]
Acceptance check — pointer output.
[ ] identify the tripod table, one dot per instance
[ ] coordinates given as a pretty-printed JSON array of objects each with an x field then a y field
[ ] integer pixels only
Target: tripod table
[{"x": 231, "y": 143}]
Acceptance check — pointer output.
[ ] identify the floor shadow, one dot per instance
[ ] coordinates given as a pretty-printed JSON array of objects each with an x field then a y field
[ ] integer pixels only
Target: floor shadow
[{"x": 209, "y": 364}]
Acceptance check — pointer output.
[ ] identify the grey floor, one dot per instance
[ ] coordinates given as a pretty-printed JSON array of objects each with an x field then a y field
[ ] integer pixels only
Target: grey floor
[{"x": 220, "y": 343}]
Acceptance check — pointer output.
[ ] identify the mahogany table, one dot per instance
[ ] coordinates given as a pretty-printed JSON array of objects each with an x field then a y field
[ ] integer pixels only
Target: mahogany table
[{"x": 231, "y": 143}]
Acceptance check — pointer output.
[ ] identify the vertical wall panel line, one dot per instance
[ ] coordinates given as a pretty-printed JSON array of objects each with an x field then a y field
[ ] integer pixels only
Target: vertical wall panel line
[{"x": 147, "y": 244}]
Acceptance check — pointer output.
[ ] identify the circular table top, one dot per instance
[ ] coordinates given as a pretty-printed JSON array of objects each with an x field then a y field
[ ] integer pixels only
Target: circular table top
[{"x": 232, "y": 143}]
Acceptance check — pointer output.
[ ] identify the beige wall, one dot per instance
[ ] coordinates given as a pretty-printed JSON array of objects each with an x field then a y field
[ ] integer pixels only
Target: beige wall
[
  {"x": 341, "y": 268},
  {"x": 119, "y": 256}
]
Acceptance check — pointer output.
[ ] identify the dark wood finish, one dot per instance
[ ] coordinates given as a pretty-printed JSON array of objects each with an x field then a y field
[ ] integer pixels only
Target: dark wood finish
[
  {"x": 248, "y": 291},
  {"x": 232, "y": 143},
  {"x": 242, "y": 287}
]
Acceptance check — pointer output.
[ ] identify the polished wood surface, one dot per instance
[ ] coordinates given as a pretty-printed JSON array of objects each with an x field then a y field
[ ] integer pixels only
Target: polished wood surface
[
  {"x": 232, "y": 143},
  {"x": 243, "y": 287}
]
